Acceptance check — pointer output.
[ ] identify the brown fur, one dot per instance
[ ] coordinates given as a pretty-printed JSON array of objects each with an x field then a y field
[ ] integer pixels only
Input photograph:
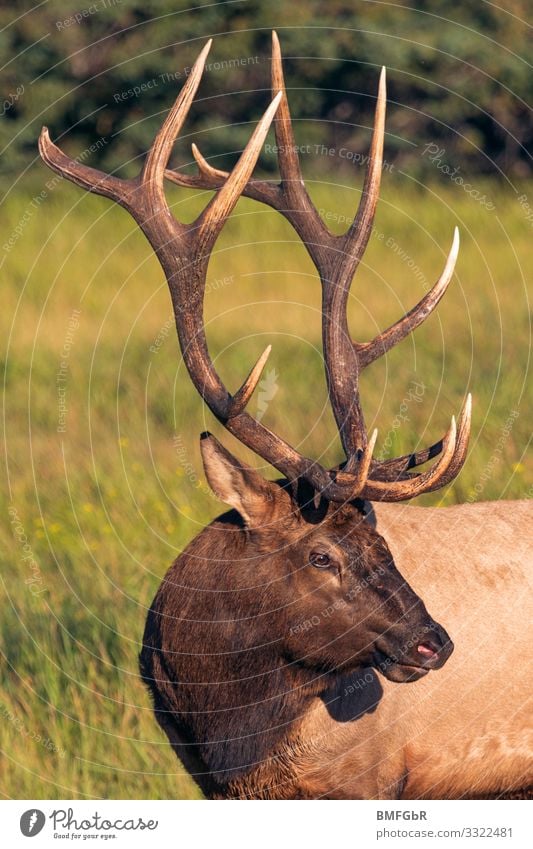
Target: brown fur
[{"x": 258, "y": 707}]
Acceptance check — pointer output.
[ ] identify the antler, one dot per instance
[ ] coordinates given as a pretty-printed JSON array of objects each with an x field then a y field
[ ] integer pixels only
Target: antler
[
  {"x": 336, "y": 259},
  {"x": 184, "y": 250}
]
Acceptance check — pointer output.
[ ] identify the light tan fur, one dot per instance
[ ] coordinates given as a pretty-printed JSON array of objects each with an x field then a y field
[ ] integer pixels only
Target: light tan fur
[{"x": 466, "y": 729}]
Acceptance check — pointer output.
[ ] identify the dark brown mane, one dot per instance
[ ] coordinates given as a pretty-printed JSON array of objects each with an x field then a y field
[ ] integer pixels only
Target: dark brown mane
[{"x": 237, "y": 702}]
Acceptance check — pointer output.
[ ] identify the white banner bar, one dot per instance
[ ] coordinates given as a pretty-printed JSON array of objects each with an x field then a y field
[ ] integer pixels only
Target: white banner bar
[{"x": 262, "y": 825}]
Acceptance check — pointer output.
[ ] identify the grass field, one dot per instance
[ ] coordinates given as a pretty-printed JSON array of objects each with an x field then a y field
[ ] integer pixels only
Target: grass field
[{"x": 101, "y": 431}]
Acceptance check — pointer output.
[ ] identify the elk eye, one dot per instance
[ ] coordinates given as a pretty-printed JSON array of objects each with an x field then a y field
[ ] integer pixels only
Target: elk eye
[{"x": 319, "y": 559}]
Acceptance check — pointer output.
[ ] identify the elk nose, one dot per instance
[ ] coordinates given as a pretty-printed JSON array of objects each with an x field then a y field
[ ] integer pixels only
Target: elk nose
[
  {"x": 434, "y": 650},
  {"x": 428, "y": 650}
]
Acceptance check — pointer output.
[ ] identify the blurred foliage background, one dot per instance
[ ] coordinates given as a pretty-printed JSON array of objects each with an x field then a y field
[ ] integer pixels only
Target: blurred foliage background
[{"x": 462, "y": 66}]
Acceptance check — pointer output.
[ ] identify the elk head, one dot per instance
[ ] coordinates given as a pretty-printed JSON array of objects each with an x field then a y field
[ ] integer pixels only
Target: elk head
[
  {"x": 302, "y": 547},
  {"x": 325, "y": 577}
]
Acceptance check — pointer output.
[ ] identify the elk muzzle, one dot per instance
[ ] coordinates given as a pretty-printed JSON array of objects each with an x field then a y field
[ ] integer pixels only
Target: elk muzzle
[{"x": 412, "y": 653}]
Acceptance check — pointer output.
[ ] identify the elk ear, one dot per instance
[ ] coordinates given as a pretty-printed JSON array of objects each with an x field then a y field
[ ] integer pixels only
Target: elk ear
[{"x": 255, "y": 498}]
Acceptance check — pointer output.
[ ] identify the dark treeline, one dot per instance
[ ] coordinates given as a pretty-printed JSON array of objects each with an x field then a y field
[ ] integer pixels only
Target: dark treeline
[{"x": 101, "y": 73}]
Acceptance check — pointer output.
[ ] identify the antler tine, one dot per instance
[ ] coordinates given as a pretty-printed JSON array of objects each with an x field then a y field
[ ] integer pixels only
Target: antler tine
[
  {"x": 184, "y": 249},
  {"x": 401, "y": 490},
  {"x": 243, "y": 395},
  {"x": 187, "y": 287},
  {"x": 290, "y": 196},
  {"x": 356, "y": 239},
  {"x": 156, "y": 161},
  {"x": 209, "y": 177},
  {"x": 213, "y": 178},
  {"x": 289, "y": 162},
  {"x": 84, "y": 176},
  {"x": 356, "y": 475},
  {"x": 212, "y": 219},
  {"x": 340, "y": 353},
  {"x": 397, "y": 467},
  {"x": 206, "y": 170},
  {"x": 396, "y": 470},
  {"x": 335, "y": 257},
  {"x": 370, "y": 351},
  {"x": 124, "y": 191},
  {"x": 461, "y": 449}
]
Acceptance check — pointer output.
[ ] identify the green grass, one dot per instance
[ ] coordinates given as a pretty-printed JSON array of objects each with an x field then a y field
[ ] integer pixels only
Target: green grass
[{"x": 107, "y": 504}]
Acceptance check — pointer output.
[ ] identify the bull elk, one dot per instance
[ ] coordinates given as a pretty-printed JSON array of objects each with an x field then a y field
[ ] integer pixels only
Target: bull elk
[{"x": 276, "y": 642}]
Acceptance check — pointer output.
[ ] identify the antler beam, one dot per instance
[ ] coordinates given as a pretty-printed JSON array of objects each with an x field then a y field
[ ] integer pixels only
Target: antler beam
[
  {"x": 184, "y": 250},
  {"x": 336, "y": 259}
]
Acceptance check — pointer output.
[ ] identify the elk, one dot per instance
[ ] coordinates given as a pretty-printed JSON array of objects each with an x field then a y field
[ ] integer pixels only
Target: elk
[{"x": 276, "y": 644}]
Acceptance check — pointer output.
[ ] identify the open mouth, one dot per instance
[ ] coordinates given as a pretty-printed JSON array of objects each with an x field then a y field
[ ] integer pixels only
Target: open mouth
[{"x": 400, "y": 673}]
